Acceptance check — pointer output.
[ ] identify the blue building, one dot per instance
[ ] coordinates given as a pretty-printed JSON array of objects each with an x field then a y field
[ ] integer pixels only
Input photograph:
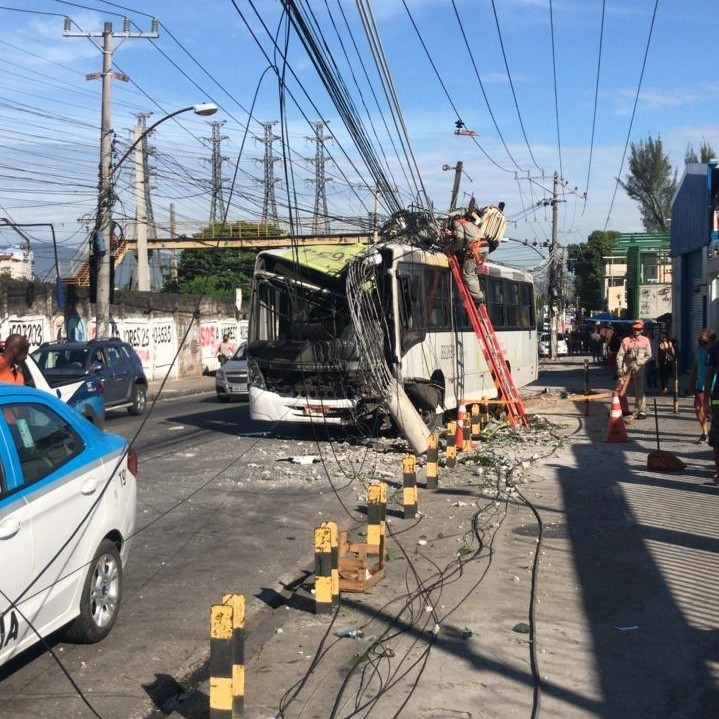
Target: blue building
[{"x": 695, "y": 256}]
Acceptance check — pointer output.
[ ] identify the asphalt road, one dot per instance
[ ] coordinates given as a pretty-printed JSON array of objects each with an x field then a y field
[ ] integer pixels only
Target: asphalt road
[{"x": 221, "y": 509}]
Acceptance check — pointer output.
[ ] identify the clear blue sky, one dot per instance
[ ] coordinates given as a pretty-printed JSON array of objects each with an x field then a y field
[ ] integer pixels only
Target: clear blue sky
[{"x": 50, "y": 114}]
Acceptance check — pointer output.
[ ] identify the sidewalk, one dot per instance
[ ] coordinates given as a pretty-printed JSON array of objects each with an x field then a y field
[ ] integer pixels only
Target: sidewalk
[
  {"x": 622, "y": 606},
  {"x": 196, "y": 384}
]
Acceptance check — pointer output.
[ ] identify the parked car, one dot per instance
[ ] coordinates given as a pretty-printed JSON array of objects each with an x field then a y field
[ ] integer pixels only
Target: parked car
[
  {"x": 113, "y": 362},
  {"x": 67, "y": 511},
  {"x": 83, "y": 395},
  {"x": 562, "y": 348},
  {"x": 231, "y": 377}
]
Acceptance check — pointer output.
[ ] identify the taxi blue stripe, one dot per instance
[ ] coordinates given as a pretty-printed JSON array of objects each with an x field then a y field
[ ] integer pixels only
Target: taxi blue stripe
[{"x": 96, "y": 456}]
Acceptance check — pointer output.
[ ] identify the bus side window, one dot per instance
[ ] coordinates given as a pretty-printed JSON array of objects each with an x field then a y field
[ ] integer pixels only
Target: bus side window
[
  {"x": 495, "y": 301},
  {"x": 526, "y": 306},
  {"x": 411, "y": 302},
  {"x": 405, "y": 302},
  {"x": 512, "y": 304},
  {"x": 436, "y": 282}
]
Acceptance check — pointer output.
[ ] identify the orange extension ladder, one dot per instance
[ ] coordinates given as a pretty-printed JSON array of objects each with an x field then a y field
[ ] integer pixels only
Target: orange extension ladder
[{"x": 493, "y": 354}]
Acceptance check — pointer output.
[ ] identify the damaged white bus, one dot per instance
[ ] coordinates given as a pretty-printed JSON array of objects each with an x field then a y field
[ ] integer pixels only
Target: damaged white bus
[{"x": 337, "y": 333}]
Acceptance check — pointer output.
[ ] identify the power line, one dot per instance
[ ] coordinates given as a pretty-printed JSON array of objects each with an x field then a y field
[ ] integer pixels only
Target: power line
[
  {"x": 446, "y": 92},
  {"x": 596, "y": 102},
  {"x": 511, "y": 85},
  {"x": 634, "y": 111},
  {"x": 556, "y": 92}
]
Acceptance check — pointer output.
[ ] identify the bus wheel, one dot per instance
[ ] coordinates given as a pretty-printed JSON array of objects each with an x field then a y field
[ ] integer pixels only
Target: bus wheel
[
  {"x": 426, "y": 398},
  {"x": 433, "y": 420}
]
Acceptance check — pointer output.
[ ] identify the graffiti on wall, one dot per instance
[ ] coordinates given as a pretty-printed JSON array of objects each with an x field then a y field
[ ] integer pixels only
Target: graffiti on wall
[
  {"x": 211, "y": 335},
  {"x": 37, "y": 329},
  {"x": 155, "y": 340}
]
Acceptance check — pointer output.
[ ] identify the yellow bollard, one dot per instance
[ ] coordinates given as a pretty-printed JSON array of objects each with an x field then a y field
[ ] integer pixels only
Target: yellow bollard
[
  {"x": 409, "y": 482},
  {"x": 323, "y": 569},
  {"x": 476, "y": 428},
  {"x": 451, "y": 447},
  {"x": 432, "y": 460},
  {"x": 227, "y": 658}
]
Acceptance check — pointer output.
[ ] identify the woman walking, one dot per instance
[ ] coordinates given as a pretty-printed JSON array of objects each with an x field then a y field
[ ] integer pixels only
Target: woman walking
[
  {"x": 697, "y": 379},
  {"x": 665, "y": 360}
]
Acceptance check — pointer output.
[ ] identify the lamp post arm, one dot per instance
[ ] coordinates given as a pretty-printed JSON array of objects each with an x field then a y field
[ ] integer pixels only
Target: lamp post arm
[{"x": 144, "y": 135}]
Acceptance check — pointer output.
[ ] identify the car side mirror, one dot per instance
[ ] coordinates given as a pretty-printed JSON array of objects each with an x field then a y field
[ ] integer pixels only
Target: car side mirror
[{"x": 96, "y": 366}]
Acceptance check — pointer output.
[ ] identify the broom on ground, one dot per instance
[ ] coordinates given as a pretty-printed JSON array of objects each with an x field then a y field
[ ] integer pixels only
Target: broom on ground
[{"x": 660, "y": 460}]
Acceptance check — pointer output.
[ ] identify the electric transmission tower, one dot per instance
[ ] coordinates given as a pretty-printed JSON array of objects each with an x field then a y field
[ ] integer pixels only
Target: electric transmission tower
[
  {"x": 320, "y": 217},
  {"x": 217, "y": 205},
  {"x": 269, "y": 203}
]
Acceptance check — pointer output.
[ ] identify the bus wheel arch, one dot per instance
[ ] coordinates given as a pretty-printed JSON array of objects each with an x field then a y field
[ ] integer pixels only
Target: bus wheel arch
[{"x": 427, "y": 396}]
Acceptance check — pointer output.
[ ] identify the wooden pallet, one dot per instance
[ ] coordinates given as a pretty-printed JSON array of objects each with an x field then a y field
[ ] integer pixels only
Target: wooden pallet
[{"x": 361, "y": 565}]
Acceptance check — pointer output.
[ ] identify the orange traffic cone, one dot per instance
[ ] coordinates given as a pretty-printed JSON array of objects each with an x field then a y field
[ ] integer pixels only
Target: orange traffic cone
[
  {"x": 616, "y": 431},
  {"x": 459, "y": 437}
]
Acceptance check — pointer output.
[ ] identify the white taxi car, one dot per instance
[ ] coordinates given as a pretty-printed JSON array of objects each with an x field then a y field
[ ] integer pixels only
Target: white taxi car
[
  {"x": 67, "y": 513},
  {"x": 562, "y": 347}
]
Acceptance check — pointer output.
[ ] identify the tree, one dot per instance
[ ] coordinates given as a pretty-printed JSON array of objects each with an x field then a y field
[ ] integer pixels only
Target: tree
[
  {"x": 217, "y": 272},
  {"x": 706, "y": 153},
  {"x": 586, "y": 261},
  {"x": 651, "y": 183}
]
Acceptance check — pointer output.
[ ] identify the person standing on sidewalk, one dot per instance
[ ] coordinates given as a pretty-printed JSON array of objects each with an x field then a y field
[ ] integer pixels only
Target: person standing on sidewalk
[
  {"x": 14, "y": 354},
  {"x": 697, "y": 379},
  {"x": 711, "y": 389},
  {"x": 634, "y": 352},
  {"x": 666, "y": 356}
]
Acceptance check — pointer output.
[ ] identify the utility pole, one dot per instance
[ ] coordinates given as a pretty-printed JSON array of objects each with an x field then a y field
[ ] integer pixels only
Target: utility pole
[
  {"x": 455, "y": 187},
  {"x": 143, "y": 264},
  {"x": 269, "y": 203},
  {"x": 173, "y": 257},
  {"x": 144, "y": 215},
  {"x": 320, "y": 217},
  {"x": 554, "y": 289},
  {"x": 217, "y": 205},
  {"x": 101, "y": 243}
]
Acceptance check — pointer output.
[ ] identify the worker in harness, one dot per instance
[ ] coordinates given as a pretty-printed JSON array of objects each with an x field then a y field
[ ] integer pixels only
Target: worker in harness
[{"x": 473, "y": 238}]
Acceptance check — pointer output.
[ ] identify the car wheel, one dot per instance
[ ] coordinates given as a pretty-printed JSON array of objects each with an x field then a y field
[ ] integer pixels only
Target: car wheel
[
  {"x": 101, "y": 594},
  {"x": 139, "y": 400}
]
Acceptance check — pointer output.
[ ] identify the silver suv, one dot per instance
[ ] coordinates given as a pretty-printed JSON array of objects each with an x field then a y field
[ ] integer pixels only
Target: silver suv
[{"x": 231, "y": 377}]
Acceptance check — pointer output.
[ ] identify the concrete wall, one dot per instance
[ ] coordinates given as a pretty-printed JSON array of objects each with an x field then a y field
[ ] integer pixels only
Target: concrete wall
[
  {"x": 655, "y": 300},
  {"x": 175, "y": 334}
]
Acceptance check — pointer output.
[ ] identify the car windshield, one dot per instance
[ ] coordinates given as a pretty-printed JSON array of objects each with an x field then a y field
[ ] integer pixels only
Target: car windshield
[
  {"x": 61, "y": 358},
  {"x": 241, "y": 352}
]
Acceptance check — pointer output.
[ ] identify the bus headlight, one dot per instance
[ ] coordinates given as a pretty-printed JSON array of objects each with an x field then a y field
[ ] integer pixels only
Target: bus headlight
[{"x": 254, "y": 376}]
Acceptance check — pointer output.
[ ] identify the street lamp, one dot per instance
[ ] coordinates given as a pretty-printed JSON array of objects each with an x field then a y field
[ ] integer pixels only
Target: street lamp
[{"x": 101, "y": 240}]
